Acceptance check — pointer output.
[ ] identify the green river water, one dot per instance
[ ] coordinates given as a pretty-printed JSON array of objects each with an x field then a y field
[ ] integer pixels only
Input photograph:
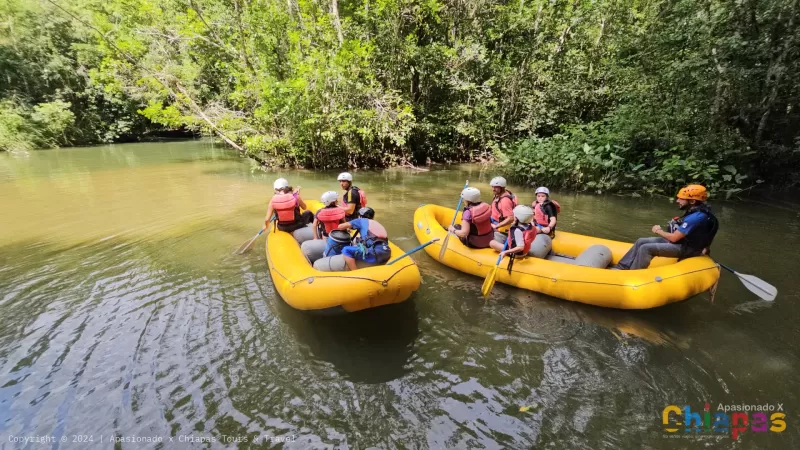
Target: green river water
[{"x": 125, "y": 313}]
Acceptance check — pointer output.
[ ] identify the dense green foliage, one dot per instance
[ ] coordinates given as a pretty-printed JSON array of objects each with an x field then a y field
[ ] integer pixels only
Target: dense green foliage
[
  {"x": 47, "y": 94},
  {"x": 603, "y": 95}
]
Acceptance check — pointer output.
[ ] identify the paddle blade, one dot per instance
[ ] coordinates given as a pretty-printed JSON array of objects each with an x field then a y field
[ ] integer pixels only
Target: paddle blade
[
  {"x": 488, "y": 283},
  {"x": 757, "y": 286},
  {"x": 248, "y": 245},
  {"x": 444, "y": 247}
]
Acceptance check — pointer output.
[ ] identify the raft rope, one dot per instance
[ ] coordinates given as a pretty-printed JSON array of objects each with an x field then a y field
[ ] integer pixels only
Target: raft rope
[
  {"x": 383, "y": 282},
  {"x": 634, "y": 286}
]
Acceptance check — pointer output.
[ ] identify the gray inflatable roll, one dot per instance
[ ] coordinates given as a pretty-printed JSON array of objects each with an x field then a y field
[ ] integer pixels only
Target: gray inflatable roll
[
  {"x": 541, "y": 246},
  {"x": 303, "y": 234},
  {"x": 313, "y": 249},
  {"x": 337, "y": 264},
  {"x": 597, "y": 256}
]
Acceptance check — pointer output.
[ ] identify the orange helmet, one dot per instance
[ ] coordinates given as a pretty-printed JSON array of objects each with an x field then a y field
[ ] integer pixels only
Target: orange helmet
[{"x": 693, "y": 192}]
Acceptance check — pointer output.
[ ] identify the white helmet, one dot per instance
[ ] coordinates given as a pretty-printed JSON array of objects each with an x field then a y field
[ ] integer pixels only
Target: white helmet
[
  {"x": 498, "y": 181},
  {"x": 471, "y": 194},
  {"x": 280, "y": 183},
  {"x": 523, "y": 213},
  {"x": 344, "y": 176},
  {"x": 329, "y": 197},
  {"x": 543, "y": 190}
]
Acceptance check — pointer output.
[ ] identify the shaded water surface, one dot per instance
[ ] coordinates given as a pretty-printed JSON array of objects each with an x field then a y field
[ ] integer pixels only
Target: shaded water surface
[{"x": 124, "y": 312}]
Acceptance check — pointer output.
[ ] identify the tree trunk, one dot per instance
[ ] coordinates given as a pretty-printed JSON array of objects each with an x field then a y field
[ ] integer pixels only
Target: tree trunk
[
  {"x": 336, "y": 23},
  {"x": 778, "y": 70}
]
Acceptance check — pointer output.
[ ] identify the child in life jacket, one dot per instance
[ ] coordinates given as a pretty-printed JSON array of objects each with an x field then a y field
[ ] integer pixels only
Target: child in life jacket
[
  {"x": 545, "y": 212},
  {"x": 476, "y": 229},
  {"x": 329, "y": 216},
  {"x": 286, "y": 204},
  {"x": 372, "y": 241},
  {"x": 520, "y": 236}
]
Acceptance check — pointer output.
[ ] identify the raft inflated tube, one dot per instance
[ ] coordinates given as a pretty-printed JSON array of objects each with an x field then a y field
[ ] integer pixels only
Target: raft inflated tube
[
  {"x": 304, "y": 288},
  {"x": 665, "y": 281}
]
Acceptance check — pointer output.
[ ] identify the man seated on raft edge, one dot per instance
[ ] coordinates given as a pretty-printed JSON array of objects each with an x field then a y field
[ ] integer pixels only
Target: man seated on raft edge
[
  {"x": 371, "y": 239},
  {"x": 688, "y": 236},
  {"x": 475, "y": 230},
  {"x": 287, "y": 204},
  {"x": 502, "y": 205}
]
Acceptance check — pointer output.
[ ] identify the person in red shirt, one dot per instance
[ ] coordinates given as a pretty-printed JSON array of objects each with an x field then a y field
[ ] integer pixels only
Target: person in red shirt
[{"x": 502, "y": 205}]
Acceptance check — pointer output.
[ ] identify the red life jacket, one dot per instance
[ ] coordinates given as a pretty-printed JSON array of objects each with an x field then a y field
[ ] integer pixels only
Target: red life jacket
[
  {"x": 528, "y": 235},
  {"x": 538, "y": 212},
  {"x": 330, "y": 217},
  {"x": 481, "y": 223},
  {"x": 286, "y": 207},
  {"x": 499, "y": 217}
]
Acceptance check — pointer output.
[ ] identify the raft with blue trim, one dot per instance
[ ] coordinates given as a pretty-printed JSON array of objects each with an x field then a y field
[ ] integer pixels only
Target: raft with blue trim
[
  {"x": 667, "y": 280},
  {"x": 304, "y": 288}
]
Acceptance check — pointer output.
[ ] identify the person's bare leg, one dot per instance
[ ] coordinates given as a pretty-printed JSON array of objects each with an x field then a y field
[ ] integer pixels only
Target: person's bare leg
[
  {"x": 351, "y": 263},
  {"x": 497, "y": 246}
]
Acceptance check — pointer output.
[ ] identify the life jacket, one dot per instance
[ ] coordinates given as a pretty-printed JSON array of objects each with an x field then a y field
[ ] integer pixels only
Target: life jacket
[
  {"x": 702, "y": 235},
  {"x": 376, "y": 242},
  {"x": 540, "y": 216},
  {"x": 330, "y": 217},
  {"x": 362, "y": 197},
  {"x": 528, "y": 234},
  {"x": 496, "y": 206},
  {"x": 481, "y": 223},
  {"x": 286, "y": 207}
]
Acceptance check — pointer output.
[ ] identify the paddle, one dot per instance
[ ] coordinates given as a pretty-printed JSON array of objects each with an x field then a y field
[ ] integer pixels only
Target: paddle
[
  {"x": 249, "y": 244},
  {"x": 488, "y": 283},
  {"x": 447, "y": 238},
  {"x": 413, "y": 250},
  {"x": 761, "y": 288}
]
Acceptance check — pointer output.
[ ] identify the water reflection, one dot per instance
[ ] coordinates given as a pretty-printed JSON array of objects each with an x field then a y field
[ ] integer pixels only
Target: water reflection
[{"x": 372, "y": 346}]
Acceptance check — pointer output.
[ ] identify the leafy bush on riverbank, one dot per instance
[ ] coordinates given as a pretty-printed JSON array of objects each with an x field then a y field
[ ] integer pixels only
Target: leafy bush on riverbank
[
  {"x": 617, "y": 155},
  {"x": 599, "y": 95}
]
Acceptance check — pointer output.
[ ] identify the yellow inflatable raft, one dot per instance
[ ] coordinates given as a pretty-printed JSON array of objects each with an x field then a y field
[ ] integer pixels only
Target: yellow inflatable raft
[
  {"x": 665, "y": 281},
  {"x": 305, "y": 288}
]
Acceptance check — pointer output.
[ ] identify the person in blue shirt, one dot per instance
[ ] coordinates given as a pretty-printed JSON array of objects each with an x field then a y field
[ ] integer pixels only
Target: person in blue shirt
[
  {"x": 688, "y": 236},
  {"x": 372, "y": 241}
]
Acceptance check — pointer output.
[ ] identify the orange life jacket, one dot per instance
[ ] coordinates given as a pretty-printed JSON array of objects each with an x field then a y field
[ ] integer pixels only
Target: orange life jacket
[
  {"x": 528, "y": 235},
  {"x": 481, "y": 223},
  {"x": 499, "y": 217},
  {"x": 286, "y": 207},
  {"x": 330, "y": 217},
  {"x": 540, "y": 216}
]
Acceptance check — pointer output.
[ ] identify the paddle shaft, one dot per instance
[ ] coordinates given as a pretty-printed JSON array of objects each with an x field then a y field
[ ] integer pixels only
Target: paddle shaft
[
  {"x": 413, "y": 250},
  {"x": 488, "y": 283},
  {"x": 452, "y": 222},
  {"x": 458, "y": 207}
]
